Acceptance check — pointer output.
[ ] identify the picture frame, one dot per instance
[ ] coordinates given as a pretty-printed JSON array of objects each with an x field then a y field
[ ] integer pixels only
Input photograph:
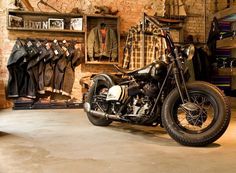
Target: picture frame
[
  {"x": 54, "y": 23},
  {"x": 15, "y": 21},
  {"x": 76, "y": 24}
]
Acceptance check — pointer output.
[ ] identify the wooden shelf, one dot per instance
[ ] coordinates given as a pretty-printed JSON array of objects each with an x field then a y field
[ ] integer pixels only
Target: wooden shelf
[
  {"x": 226, "y": 71},
  {"x": 40, "y": 17},
  {"x": 45, "y": 30},
  {"x": 227, "y": 43},
  {"x": 39, "y": 13},
  {"x": 227, "y": 15}
]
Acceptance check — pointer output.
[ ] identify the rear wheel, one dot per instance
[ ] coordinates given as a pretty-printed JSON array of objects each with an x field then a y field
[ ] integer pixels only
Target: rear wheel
[
  {"x": 97, "y": 99},
  {"x": 201, "y": 126}
]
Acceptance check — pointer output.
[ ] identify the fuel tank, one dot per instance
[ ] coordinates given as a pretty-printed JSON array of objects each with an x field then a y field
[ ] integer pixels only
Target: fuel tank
[{"x": 156, "y": 70}]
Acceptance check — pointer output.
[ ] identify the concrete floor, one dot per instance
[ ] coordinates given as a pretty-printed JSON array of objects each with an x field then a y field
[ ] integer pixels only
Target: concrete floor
[{"x": 63, "y": 141}]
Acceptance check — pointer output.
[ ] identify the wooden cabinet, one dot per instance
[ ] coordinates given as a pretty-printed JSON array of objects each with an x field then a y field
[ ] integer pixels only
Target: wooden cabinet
[{"x": 112, "y": 23}]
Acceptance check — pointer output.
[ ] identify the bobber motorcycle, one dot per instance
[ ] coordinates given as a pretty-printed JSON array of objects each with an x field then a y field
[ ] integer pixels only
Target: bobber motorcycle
[{"x": 193, "y": 114}]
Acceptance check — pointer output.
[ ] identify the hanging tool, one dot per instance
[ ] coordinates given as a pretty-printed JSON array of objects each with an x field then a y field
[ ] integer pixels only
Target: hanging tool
[
  {"x": 46, "y": 4},
  {"x": 27, "y": 5}
]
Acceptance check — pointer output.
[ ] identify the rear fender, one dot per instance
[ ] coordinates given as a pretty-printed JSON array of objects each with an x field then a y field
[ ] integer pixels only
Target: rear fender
[{"x": 104, "y": 77}]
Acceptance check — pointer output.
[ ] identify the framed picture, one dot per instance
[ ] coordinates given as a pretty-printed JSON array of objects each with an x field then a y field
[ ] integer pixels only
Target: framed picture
[
  {"x": 76, "y": 24},
  {"x": 15, "y": 21},
  {"x": 55, "y": 23}
]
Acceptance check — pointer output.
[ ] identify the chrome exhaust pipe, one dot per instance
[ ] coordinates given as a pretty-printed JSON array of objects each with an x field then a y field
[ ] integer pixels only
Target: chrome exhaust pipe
[{"x": 87, "y": 108}]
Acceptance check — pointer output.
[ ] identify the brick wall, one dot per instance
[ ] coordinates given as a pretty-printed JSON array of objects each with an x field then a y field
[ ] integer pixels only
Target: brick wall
[{"x": 130, "y": 12}]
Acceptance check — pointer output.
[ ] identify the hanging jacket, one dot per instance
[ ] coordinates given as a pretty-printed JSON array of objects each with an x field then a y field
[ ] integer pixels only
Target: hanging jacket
[
  {"x": 154, "y": 47},
  {"x": 48, "y": 73},
  {"x": 32, "y": 68},
  {"x": 17, "y": 83},
  {"x": 95, "y": 44},
  {"x": 69, "y": 77},
  {"x": 59, "y": 74}
]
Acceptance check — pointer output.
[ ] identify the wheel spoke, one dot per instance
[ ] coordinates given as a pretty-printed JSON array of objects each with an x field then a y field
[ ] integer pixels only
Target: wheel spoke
[
  {"x": 203, "y": 101},
  {"x": 197, "y": 121},
  {"x": 195, "y": 99}
]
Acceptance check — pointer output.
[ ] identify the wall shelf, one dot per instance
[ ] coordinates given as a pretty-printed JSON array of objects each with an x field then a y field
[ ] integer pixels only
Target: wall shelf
[
  {"x": 228, "y": 14},
  {"x": 45, "y": 30},
  {"x": 44, "y": 22},
  {"x": 38, "y": 13},
  {"x": 224, "y": 75},
  {"x": 227, "y": 43}
]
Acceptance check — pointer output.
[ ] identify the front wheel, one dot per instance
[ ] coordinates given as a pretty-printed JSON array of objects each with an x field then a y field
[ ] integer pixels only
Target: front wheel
[{"x": 201, "y": 126}]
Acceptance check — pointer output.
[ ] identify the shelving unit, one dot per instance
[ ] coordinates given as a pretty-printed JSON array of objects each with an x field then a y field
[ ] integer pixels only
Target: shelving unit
[
  {"x": 40, "y": 17},
  {"x": 88, "y": 22},
  {"x": 225, "y": 75},
  {"x": 39, "y": 31},
  {"x": 36, "y": 25}
]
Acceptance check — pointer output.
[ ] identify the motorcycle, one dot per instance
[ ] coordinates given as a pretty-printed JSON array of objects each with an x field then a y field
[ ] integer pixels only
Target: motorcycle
[{"x": 193, "y": 114}]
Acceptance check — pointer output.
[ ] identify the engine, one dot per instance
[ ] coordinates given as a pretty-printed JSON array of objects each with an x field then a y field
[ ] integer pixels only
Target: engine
[
  {"x": 140, "y": 103},
  {"x": 150, "y": 89},
  {"x": 140, "y": 107},
  {"x": 117, "y": 93}
]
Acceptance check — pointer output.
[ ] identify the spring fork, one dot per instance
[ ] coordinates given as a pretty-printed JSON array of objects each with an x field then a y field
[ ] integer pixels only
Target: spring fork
[
  {"x": 184, "y": 84},
  {"x": 178, "y": 83},
  {"x": 178, "y": 70}
]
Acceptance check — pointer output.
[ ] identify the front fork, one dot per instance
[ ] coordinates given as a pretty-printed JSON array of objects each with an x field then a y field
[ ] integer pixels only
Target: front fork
[{"x": 180, "y": 80}]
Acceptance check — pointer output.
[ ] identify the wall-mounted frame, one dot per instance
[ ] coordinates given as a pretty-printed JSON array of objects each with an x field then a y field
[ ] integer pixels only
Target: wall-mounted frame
[
  {"x": 55, "y": 23},
  {"x": 76, "y": 24},
  {"x": 103, "y": 40}
]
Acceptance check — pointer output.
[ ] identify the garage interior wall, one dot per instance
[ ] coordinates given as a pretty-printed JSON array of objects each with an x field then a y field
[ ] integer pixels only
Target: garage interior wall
[{"x": 130, "y": 12}]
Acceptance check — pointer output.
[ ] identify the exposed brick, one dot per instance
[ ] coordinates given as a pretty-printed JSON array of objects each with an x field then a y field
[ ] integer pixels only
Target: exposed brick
[{"x": 130, "y": 12}]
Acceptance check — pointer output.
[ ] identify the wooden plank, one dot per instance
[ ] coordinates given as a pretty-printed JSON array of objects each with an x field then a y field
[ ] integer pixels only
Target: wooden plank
[
  {"x": 227, "y": 43},
  {"x": 45, "y": 30},
  {"x": 14, "y": 34},
  {"x": 224, "y": 14},
  {"x": 17, "y": 12},
  {"x": 226, "y": 72}
]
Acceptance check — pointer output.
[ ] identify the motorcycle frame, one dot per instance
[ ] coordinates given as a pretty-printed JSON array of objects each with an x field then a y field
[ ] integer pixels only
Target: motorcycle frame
[{"x": 175, "y": 68}]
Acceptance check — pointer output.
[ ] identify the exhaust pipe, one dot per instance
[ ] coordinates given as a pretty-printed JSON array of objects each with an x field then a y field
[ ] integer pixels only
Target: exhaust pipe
[{"x": 87, "y": 108}]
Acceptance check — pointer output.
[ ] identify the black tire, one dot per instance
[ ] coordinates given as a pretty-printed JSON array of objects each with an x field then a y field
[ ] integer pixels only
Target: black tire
[
  {"x": 184, "y": 134},
  {"x": 93, "y": 119}
]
